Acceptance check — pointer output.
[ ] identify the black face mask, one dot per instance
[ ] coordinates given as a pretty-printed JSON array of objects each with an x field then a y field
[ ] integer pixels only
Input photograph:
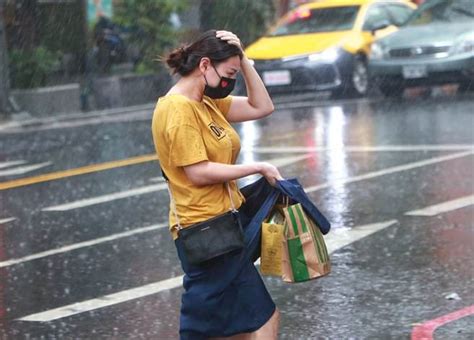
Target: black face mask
[{"x": 225, "y": 87}]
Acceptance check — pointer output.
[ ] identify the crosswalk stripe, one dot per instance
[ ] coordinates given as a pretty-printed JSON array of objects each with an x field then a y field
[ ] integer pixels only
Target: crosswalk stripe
[
  {"x": 281, "y": 161},
  {"x": 11, "y": 163},
  {"x": 6, "y": 220},
  {"x": 80, "y": 245},
  {"x": 387, "y": 171},
  {"x": 440, "y": 208},
  {"x": 23, "y": 169},
  {"x": 262, "y": 150},
  {"x": 336, "y": 240},
  {"x": 107, "y": 198},
  {"x": 357, "y": 148},
  {"x": 308, "y": 189}
]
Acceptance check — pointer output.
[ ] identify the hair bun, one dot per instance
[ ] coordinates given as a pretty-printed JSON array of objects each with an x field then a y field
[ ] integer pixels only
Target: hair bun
[{"x": 177, "y": 59}]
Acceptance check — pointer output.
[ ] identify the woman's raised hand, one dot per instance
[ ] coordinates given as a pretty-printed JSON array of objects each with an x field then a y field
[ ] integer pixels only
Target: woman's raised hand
[{"x": 230, "y": 37}]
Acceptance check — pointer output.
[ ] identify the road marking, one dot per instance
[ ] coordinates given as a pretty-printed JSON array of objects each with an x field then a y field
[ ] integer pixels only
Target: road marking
[
  {"x": 318, "y": 187},
  {"x": 357, "y": 148},
  {"x": 404, "y": 167},
  {"x": 157, "y": 179},
  {"x": 443, "y": 207},
  {"x": 426, "y": 330},
  {"x": 152, "y": 157},
  {"x": 338, "y": 240},
  {"x": 341, "y": 237},
  {"x": 6, "y": 220},
  {"x": 23, "y": 169},
  {"x": 76, "y": 172},
  {"x": 12, "y": 163},
  {"x": 282, "y": 161},
  {"x": 107, "y": 198},
  {"x": 105, "y": 301},
  {"x": 80, "y": 245}
]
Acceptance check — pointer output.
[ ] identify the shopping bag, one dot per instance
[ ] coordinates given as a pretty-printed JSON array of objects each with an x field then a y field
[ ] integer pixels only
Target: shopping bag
[
  {"x": 272, "y": 241},
  {"x": 304, "y": 252}
]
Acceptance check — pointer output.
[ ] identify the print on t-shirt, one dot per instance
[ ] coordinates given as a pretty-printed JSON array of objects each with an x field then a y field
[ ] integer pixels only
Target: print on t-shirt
[{"x": 217, "y": 130}]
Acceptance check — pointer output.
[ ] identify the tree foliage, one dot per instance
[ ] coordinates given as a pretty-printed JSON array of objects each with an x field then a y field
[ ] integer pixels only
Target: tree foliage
[
  {"x": 150, "y": 26},
  {"x": 249, "y": 19}
]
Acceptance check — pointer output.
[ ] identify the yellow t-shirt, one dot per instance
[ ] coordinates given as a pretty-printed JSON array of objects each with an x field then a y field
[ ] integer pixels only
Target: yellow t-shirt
[{"x": 187, "y": 132}]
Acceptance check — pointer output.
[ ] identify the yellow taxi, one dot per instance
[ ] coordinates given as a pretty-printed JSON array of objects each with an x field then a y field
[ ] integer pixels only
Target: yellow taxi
[{"x": 323, "y": 45}]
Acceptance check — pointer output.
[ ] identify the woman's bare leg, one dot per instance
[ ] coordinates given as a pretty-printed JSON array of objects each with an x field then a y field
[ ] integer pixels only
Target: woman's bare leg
[{"x": 269, "y": 331}]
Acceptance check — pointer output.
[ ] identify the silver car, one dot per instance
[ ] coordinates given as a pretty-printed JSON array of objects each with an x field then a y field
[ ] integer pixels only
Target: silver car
[{"x": 435, "y": 46}]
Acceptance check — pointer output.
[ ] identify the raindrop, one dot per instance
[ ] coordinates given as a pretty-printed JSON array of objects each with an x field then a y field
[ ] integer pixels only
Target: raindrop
[{"x": 83, "y": 256}]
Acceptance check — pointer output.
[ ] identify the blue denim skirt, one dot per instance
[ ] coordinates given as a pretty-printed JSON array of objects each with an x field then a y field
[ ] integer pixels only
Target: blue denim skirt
[{"x": 224, "y": 296}]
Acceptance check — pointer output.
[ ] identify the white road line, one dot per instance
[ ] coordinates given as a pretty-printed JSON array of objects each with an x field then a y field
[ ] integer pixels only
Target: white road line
[
  {"x": 341, "y": 237},
  {"x": 6, "y": 220},
  {"x": 281, "y": 161},
  {"x": 79, "y": 245},
  {"x": 387, "y": 171},
  {"x": 309, "y": 189},
  {"x": 105, "y": 301},
  {"x": 336, "y": 240},
  {"x": 443, "y": 207},
  {"x": 284, "y": 161},
  {"x": 106, "y": 198},
  {"x": 12, "y": 163},
  {"x": 157, "y": 179},
  {"x": 357, "y": 148},
  {"x": 24, "y": 169}
]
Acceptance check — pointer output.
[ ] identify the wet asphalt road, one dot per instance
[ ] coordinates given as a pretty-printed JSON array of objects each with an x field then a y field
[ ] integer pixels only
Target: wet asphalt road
[{"x": 371, "y": 166}]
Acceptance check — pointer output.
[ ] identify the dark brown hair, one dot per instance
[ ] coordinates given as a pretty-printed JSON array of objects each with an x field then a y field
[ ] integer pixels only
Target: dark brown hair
[{"x": 185, "y": 59}]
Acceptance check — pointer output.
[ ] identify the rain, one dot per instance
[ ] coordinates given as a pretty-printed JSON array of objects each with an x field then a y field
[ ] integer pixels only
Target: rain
[{"x": 373, "y": 114}]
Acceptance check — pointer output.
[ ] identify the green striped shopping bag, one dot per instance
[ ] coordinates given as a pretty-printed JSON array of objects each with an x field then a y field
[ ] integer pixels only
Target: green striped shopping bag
[{"x": 305, "y": 255}]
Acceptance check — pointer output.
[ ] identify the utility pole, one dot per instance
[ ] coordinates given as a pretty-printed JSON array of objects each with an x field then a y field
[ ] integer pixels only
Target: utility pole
[{"x": 4, "y": 74}]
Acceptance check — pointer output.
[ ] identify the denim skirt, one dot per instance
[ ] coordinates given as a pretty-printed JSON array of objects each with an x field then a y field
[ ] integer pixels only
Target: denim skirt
[{"x": 224, "y": 296}]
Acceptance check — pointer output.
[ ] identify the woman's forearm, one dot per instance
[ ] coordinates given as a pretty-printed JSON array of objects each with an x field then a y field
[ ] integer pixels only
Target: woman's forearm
[
  {"x": 207, "y": 173},
  {"x": 257, "y": 94}
]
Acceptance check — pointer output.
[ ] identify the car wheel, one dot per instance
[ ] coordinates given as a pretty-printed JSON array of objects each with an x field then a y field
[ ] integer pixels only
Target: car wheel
[
  {"x": 360, "y": 77},
  {"x": 466, "y": 86},
  {"x": 357, "y": 84}
]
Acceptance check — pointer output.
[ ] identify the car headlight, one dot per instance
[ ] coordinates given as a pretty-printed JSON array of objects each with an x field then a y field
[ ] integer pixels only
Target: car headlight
[
  {"x": 464, "y": 44},
  {"x": 329, "y": 55},
  {"x": 377, "y": 51}
]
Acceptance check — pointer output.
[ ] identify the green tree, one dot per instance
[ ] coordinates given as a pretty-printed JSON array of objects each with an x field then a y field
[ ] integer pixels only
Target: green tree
[
  {"x": 249, "y": 19},
  {"x": 30, "y": 69},
  {"x": 151, "y": 29}
]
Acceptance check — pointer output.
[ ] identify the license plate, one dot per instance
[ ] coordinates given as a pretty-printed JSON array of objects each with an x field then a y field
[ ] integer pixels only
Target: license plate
[
  {"x": 413, "y": 72},
  {"x": 275, "y": 78}
]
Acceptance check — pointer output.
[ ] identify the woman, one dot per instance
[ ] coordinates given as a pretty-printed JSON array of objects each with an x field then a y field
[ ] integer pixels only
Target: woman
[{"x": 197, "y": 148}]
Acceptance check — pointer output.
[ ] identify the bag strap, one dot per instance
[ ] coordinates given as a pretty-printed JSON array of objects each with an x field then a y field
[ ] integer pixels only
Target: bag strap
[{"x": 173, "y": 203}]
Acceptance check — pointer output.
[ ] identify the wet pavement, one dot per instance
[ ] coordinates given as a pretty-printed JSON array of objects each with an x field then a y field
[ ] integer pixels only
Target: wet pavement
[{"x": 85, "y": 254}]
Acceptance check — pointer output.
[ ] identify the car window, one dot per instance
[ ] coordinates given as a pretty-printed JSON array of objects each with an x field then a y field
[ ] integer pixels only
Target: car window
[
  {"x": 443, "y": 11},
  {"x": 305, "y": 20},
  {"x": 375, "y": 15},
  {"x": 399, "y": 13}
]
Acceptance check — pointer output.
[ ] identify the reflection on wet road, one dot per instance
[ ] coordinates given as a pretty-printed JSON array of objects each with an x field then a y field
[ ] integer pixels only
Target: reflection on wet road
[{"x": 85, "y": 252}]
